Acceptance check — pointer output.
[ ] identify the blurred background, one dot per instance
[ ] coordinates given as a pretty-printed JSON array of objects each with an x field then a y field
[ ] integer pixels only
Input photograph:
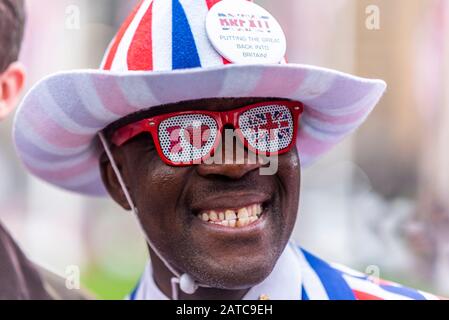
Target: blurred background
[{"x": 377, "y": 203}]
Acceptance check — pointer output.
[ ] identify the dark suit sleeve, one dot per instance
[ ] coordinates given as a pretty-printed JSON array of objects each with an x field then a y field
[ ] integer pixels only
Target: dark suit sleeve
[{"x": 19, "y": 278}]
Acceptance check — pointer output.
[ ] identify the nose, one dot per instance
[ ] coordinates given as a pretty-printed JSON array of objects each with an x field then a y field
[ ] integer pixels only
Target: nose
[{"x": 231, "y": 159}]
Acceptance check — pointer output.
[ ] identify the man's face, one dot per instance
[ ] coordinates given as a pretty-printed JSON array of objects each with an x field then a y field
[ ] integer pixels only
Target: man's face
[{"x": 169, "y": 200}]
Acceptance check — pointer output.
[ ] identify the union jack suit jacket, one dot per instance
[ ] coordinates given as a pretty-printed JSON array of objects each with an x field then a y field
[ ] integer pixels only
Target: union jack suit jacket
[{"x": 299, "y": 275}]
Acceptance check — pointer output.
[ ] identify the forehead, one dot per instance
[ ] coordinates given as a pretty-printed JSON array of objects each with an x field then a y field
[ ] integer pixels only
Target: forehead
[{"x": 214, "y": 104}]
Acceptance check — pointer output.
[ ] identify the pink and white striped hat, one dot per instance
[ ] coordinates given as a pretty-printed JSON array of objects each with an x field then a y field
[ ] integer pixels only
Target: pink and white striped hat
[{"x": 162, "y": 54}]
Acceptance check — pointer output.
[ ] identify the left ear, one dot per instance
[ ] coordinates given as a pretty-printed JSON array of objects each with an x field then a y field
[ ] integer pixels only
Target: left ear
[{"x": 12, "y": 81}]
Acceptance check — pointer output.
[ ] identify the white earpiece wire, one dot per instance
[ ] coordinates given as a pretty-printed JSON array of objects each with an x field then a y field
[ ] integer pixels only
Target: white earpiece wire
[{"x": 184, "y": 281}]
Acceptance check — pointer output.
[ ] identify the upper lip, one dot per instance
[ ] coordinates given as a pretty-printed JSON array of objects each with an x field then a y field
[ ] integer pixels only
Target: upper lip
[{"x": 229, "y": 200}]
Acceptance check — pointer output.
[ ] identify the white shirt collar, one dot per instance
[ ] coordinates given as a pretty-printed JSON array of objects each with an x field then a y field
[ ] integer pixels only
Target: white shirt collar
[{"x": 283, "y": 283}]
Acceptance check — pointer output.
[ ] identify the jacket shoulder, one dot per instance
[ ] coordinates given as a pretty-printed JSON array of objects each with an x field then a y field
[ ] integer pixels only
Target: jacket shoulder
[
  {"x": 368, "y": 287},
  {"x": 336, "y": 281}
]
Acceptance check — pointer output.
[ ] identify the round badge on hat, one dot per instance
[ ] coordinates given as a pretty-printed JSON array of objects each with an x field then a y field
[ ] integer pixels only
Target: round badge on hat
[{"x": 245, "y": 33}]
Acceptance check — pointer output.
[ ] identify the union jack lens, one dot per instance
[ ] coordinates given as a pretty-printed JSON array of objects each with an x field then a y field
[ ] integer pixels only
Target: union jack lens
[
  {"x": 267, "y": 129},
  {"x": 188, "y": 137}
]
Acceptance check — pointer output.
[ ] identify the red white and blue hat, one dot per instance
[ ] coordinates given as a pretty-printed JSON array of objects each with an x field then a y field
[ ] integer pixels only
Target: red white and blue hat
[{"x": 176, "y": 50}]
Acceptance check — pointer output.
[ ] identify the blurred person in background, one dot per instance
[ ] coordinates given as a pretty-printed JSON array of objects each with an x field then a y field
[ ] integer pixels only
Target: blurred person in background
[
  {"x": 19, "y": 277},
  {"x": 213, "y": 230}
]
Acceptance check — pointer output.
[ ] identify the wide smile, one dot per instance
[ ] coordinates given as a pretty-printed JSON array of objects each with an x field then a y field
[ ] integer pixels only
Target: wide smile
[
  {"x": 233, "y": 217},
  {"x": 233, "y": 212}
]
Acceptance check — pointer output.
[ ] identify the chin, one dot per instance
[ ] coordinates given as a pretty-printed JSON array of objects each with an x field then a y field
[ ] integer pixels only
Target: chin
[{"x": 239, "y": 275}]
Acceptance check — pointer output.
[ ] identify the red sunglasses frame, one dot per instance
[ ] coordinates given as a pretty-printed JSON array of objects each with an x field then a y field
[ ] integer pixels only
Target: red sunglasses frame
[{"x": 222, "y": 118}]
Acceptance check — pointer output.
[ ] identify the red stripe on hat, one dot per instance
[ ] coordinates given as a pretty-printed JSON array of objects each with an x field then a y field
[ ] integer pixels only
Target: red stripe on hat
[
  {"x": 119, "y": 36},
  {"x": 210, "y": 4},
  {"x": 359, "y": 295},
  {"x": 140, "y": 53}
]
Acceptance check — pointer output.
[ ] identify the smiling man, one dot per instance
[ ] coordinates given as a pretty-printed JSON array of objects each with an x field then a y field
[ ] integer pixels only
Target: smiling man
[
  {"x": 150, "y": 129},
  {"x": 228, "y": 224}
]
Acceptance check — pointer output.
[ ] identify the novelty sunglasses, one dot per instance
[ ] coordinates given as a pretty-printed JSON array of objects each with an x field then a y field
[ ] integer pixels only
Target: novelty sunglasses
[{"x": 190, "y": 137}]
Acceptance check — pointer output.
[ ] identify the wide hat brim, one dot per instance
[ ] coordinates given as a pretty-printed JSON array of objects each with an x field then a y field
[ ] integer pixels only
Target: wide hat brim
[{"x": 56, "y": 126}]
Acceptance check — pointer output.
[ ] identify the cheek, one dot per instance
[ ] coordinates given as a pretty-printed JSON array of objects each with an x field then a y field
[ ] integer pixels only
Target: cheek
[
  {"x": 153, "y": 181},
  {"x": 157, "y": 190},
  {"x": 290, "y": 169},
  {"x": 289, "y": 174}
]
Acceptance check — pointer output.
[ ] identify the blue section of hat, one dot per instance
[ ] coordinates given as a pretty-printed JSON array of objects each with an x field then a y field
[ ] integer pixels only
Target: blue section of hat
[{"x": 184, "y": 51}]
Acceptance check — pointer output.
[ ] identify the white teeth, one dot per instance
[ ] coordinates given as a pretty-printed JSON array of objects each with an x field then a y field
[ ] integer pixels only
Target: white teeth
[
  {"x": 250, "y": 211},
  {"x": 242, "y": 222},
  {"x": 230, "y": 215},
  {"x": 242, "y": 213},
  {"x": 257, "y": 209},
  {"x": 213, "y": 216},
  {"x": 233, "y": 218}
]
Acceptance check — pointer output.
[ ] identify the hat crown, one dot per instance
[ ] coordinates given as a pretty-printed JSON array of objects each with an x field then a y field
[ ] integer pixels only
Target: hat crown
[{"x": 163, "y": 35}]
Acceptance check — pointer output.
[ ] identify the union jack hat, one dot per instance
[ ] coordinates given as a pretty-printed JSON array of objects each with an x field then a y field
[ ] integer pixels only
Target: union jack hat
[{"x": 163, "y": 54}]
